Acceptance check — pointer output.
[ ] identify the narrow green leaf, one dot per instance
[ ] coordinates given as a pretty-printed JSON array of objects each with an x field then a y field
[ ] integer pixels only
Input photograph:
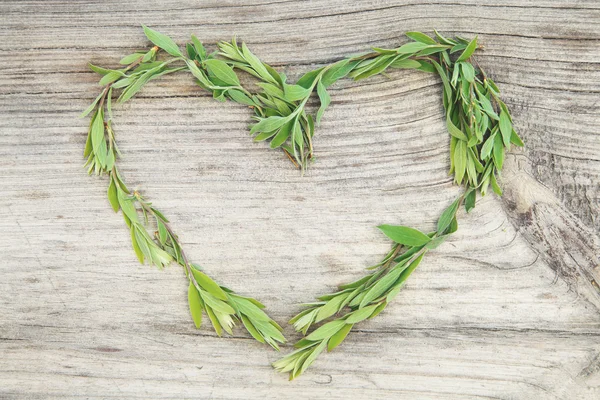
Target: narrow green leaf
[
  {"x": 469, "y": 50},
  {"x": 136, "y": 247},
  {"x": 515, "y": 139},
  {"x": 447, "y": 216},
  {"x": 411, "y": 48},
  {"x": 362, "y": 313},
  {"x": 162, "y": 232},
  {"x": 326, "y": 331},
  {"x": 495, "y": 187},
  {"x": 454, "y": 131},
  {"x": 470, "y": 199},
  {"x": 215, "y": 321},
  {"x": 487, "y": 147},
  {"x": 252, "y": 329},
  {"x": 405, "y": 235},
  {"x": 460, "y": 161},
  {"x": 420, "y": 37},
  {"x": 330, "y": 308},
  {"x": 162, "y": 41},
  {"x": 222, "y": 71},
  {"x": 295, "y": 92},
  {"x": 91, "y": 107},
  {"x": 498, "y": 152},
  {"x": 325, "y": 100},
  {"x": 195, "y": 304},
  {"x": 208, "y": 284},
  {"x": 339, "y": 337},
  {"x": 505, "y": 128},
  {"x": 269, "y": 124},
  {"x": 112, "y": 196},
  {"x": 337, "y": 71},
  {"x": 283, "y": 134},
  {"x": 468, "y": 71},
  {"x": 406, "y": 64}
]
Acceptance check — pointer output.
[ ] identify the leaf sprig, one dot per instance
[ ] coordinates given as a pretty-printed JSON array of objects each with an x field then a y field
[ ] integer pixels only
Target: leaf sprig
[
  {"x": 223, "y": 306},
  {"x": 481, "y": 130},
  {"x": 478, "y": 121}
]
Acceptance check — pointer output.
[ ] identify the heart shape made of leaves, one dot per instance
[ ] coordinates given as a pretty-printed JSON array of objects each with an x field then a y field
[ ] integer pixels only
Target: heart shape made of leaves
[{"x": 480, "y": 128}]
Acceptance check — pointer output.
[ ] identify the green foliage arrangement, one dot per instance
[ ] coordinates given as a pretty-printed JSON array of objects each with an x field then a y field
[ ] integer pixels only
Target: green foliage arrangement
[{"x": 481, "y": 131}]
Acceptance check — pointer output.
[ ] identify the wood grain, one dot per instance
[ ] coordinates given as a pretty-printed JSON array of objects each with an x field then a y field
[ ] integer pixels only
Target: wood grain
[{"x": 508, "y": 309}]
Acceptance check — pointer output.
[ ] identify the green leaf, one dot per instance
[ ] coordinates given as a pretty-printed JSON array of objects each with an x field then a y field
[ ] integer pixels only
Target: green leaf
[
  {"x": 426, "y": 67},
  {"x": 257, "y": 65},
  {"x": 269, "y": 124},
  {"x": 198, "y": 74},
  {"x": 468, "y": 71},
  {"x": 436, "y": 241},
  {"x": 460, "y": 161},
  {"x": 208, "y": 284},
  {"x": 200, "y": 50},
  {"x": 454, "y": 131},
  {"x": 447, "y": 216},
  {"x": 487, "y": 147},
  {"x": 195, "y": 305},
  {"x": 339, "y": 337},
  {"x": 327, "y": 330},
  {"x": 112, "y": 196},
  {"x": 498, "y": 152},
  {"x": 515, "y": 139},
  {"x": 469, "y": 50},
  {"x": 252, "y": 329},
  {"x": 127, "y": 205},
  {"x": 411, "y": 48},
  {"x": 239, "y": 97},
  {"x": 222, "y": 71},
  {"x": 136, "y": 247},
  {"x": 130, "y": 58},
  {"x": 420, "y": 37},
  {"x": 218, "y": 306},
  {"x": 162, "y": 232},
  {"x": 382, "y": 285},
  {"x": 325, "y": 100},
  {"x": 406, "y": 64},
  {"x": 162, "y": 41},
  {"x": 495, "y": 187},
  {"x": 307, "y": 80},
  {"x": 362, "y": 313},
  {"x": 215, "y": 321},
  {"x": 505, "y": 128},
  {"x": 312, "y": 357},
  {"x": 330, "y": 308},
  {"x": 91, "y": 107},
  {"x": 470, "y": 199},
  {"x": 283, "y": 134},
  {"x": 405, "y": 235},
  {"x": 295, "y": 92},
  {"x": 337, "y": 71}
]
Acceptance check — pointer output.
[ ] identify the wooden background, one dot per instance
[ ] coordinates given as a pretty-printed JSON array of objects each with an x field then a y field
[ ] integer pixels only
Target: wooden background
[{"x": 507, "y": 309}]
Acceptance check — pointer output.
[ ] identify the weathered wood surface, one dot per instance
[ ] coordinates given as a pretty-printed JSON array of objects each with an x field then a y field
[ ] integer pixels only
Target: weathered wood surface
[{"x": 508, "y": 309}]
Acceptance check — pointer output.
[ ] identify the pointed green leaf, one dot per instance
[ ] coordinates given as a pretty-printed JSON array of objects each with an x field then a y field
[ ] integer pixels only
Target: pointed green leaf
[
  {"x": 162, "y": 41},
  {"x": 339, "y": 337},
  {"x": 469, "y": 50},
  {"x": 208, "y": 284},
  {"x": 195, "y": 305},
  {"x": 405, "y": 235},
  {"x": 222, "y": 71}
]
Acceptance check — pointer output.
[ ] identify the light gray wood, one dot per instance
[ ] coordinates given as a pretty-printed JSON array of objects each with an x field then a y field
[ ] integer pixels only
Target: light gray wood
[{"x": 507, "y": 309}]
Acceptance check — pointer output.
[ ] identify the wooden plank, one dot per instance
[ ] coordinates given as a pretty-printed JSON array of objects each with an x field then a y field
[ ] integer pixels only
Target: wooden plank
[{"x": 508, "y": 309}]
